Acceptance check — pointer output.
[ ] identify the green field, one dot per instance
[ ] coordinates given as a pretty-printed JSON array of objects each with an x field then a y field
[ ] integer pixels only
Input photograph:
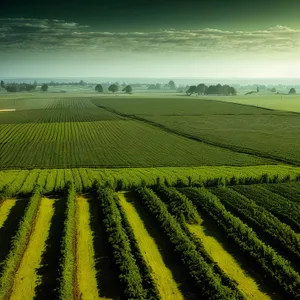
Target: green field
[
  {"x": 245, "y": 129},
  {"x": 148, "y": 197},
  {"x": 74, "y": 132}
]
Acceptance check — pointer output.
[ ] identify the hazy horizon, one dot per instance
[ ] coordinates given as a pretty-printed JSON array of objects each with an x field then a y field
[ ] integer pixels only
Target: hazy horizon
[{"x": 168, "y": 39}]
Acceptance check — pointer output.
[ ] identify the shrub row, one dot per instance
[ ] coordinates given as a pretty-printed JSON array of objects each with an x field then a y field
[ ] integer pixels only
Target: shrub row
[
  {"x": 207, "y": 282},
  {"x": 179, "y": 206},
  {"x": 287, "y": 211},
  {"x": 129, "y": 273},
  {"x": 260, "y": 219},
  {"x": 276, "y": 268},
  {"x": 149, "y": 283},
  {"x": 19, "y": 244},
  {"x": 68, "y": 252}
]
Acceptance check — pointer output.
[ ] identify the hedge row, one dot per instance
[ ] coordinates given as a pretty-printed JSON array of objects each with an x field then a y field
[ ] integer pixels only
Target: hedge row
[
  {"x": 149, "y": 283},
  {"x": 276, "y": 268},
  {"x": 208, "y": 283},
  {"x": 264, "y": 223},
  {"x": 179, "y": 206},
  {"x": 129, "y": 273},
  {"x": 286, "y": 210},
  {"x": 19, "y": 244},
  {"x": 68, "y": 252}
]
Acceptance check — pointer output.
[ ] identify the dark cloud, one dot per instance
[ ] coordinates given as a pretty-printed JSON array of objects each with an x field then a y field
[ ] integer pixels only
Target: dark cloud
[{"x": 52, "y": 35}]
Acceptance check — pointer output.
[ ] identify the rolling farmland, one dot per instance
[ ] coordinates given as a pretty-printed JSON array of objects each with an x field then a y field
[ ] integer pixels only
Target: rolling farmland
[
  {"x": 73, "y": 132},
  {"x": 244, "y": 129},
  {"x": 181, "y": 242},
  {"x": 155, "y": 198}
]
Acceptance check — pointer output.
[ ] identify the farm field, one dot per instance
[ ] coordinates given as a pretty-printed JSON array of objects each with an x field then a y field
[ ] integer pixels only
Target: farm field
[
  {"x": 165, "y": 197},
  {"x": 180, "y": 242},
  {"x": 277, "y": 102},
  {"x": 240, "y": 128},
  {"x": 76, "y": 133}
]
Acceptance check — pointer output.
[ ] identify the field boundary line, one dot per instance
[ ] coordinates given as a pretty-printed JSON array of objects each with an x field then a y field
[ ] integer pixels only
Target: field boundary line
[{"x": 203, "y": 140}]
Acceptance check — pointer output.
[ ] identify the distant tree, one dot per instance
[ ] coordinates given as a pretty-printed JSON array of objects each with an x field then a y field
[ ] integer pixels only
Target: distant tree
[
  {"x": 127, "y": 89},
  {"x": 172, "y": 85},
  {"x": 192, "y": 89},
  {"x": 257, "y": 89},
  {"x": 219, "y": 89},
  {"x": 2, "y": 84},
  {"x": 44, "y": 87},
  {"x": 232, "y": 91},
  {"x": 113, "y": 88},
  {"x": 201, "y": 88},
  {"x": 99, "y": 88},
  {"x": 292, "y": 91},
  {"x": 158, "y": 86},
  {"x": 273, "y": 90},
  {"x": 81, "y": 82},
  {"x": 211, "y": 90}
]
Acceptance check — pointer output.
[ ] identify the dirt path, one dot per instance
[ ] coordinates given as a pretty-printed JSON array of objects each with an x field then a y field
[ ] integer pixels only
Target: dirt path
[{"x": 163, "y": 277}]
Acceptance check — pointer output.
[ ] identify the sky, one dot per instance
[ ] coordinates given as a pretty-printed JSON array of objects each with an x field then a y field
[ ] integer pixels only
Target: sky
[{"x": 142, "y": 38}]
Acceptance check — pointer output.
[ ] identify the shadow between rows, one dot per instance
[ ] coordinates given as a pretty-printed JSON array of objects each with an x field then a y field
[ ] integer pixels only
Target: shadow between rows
[{"x": 170, "y": 259}]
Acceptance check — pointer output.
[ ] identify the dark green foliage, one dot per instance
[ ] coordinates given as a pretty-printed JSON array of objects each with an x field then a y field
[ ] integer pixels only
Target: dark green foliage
[
  {"x": 99, "y": 88},
  {"x": 287, "y": 211},
  {"x": 272, "y": 265},
  {"x": 291, "y": 190},
  {"x": 148, "y": 282},
  {"x": 191, "y": 90},
  {"x": 208, "y": 283},
  {"x": 292, "y": 91},
  {"x": 44, "y": 87},
  {"x": 127, "y": 89},
  {"x": 179, "y": 205},
  {"x": 113, "y": 88},
  {"x": 264, "y": 223},
  {"x": 6, "y": 192},
  {"x": 129, "y": 273}
]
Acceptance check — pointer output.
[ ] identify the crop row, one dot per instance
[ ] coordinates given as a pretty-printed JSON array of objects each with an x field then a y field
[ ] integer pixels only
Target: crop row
[
  {"x": 208, "y": 283},
  {"x": 264, "y": 223},
  {"x": 273, "y": 266},
  {"x": 286, "y": 210}
]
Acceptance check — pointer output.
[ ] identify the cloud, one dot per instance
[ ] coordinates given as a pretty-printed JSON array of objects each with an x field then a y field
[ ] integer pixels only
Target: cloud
[{"x": 22, "y": 34}]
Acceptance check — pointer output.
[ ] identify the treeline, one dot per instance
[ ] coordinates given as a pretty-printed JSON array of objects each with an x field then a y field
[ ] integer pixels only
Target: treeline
[
  {"x": 18, "y": 87},
  {"x": 202, "y": 89},
  {"x": 207, "y": 282},
  {"x": 273, "y": 266}
]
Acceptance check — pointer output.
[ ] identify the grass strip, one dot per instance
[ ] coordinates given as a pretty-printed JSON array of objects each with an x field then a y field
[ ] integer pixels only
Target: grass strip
[
  {"x": 26, "y": 278},
  {"x": 19, "y": 245},
  {"x": 5, "y": 208}
]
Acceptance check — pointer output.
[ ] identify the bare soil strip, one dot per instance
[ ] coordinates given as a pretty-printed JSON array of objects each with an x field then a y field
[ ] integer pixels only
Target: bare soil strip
[{"x": 163, "y": 277}]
